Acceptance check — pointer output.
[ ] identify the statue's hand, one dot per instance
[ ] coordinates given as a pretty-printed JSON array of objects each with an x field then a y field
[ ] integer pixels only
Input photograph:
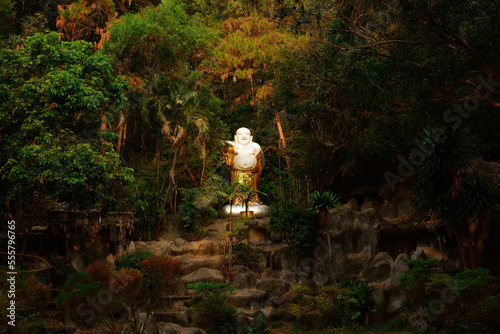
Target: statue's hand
[{"x": 233, "y": 144}]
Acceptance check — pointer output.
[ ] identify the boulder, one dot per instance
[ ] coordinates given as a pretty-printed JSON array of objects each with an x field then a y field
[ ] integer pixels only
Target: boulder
[
  {"x": 200, "y": 275},
  {"x": 322, "y": 274},
  {"x": 130, "y": 248},
  {"x": 418, "y": 254},
  {"x": 245, "y": 280},
  {"x": 179, "y": 329},
  {"x": 288, "y": 276},
  {"x": 262, "y": 262},
  {"x": 248, "y": 298},
  {"x": 399, "y": 268},
  {"x": 179, "y": 242},
  {"x": 379, "y": 268},
  {"x": 166, "y": 329},
  {"x": 272, "y": 286},
  {"x": 351, "y": 232},
  {"x": 79, "y": 261},
  {"x": 141, "y": 246},
  {"x": 110, "y": 259},
  {"x": 193, "y": 263},
  {"x": 190, "y": 330},
  {"x": 379, "y": 304},
  {"x": 394, "y": 295},
  {"x": 351, "y": 205},
  {"x": 286, "y": 260},
  {"x": 149, "y": 327}
]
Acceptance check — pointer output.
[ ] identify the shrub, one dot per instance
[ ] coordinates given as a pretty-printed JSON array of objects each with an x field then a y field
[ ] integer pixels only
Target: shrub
[
  {"x": 161, "y": 273},
  {"x": 127, "y": 283},
  {"x": 133, "y": 260},
  {"x": 459, "y": 304},
  {"x": 361, "y": 302},
  {"x": 436, "y": 283},
  {"x": 141, "y": 290},
  {"x": 190, "y": 221},
  {"x": 228, "y": 262},
  {"x": 77, "y": 288},
  {"x": 297, "y": 225},
  {"x": 245, "y": 256},
  {"x": 207, "y": 216},
  {"x": 32, "y": 298},
  {"x": 328, "y": 308},
  {"x": 211, "y": 308},
  {"x": 414, "y": 282},
  {"x": 259, "y": 326},
  {"x": 100, "y": 272}
]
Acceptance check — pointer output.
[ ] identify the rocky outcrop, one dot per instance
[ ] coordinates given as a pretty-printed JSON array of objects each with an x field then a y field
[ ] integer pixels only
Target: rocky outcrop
[
  {"x": 171, "y": 328},
  {"x": 379, "y": 269},
  {"x": 93, "y": 233},
  {"x": 200, "y": 275},
  {"x": 387, "y": 294}
]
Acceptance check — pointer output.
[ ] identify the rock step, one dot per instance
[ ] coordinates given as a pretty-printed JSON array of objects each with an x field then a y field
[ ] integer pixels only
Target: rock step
[
  {"x": 181, "y": 247},
  {"x": 174, "y": 298},
  {"x": 200, "y": 275},
  {"x": 248, "y": 298},
  {"x": 193, "y": 263},
  {"x": 172, "y": 328}
]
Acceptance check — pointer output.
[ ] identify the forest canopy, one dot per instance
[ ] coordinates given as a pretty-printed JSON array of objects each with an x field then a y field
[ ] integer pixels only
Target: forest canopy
[{"x": 141, "y": 93}]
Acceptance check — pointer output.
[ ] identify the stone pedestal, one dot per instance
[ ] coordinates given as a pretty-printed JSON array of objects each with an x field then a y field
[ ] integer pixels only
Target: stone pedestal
[{"x": 259, "y": 210}]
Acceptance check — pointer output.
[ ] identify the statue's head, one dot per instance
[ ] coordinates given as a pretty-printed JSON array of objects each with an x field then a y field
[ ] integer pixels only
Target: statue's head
[{"x": 243, "y": 136}]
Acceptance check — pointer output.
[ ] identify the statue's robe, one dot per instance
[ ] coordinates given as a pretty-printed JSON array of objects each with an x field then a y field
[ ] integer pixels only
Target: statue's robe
[{"x": 250, "y": 176}]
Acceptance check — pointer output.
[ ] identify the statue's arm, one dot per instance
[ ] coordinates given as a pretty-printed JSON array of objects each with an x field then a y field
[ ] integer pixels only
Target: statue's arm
[
  {"x": 228, "y": 153},
  {"x": 260, "y": 160}
]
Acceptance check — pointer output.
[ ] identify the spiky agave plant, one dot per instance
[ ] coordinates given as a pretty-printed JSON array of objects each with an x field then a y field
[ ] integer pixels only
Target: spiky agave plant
[{"x": 323, "y": 202}]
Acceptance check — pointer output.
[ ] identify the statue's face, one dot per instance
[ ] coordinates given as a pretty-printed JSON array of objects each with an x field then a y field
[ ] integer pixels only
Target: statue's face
[{"x": 243, "y": 136}]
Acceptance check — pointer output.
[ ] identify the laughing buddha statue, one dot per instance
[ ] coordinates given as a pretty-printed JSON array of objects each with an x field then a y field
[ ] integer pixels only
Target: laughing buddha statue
[{"x": 244, "y": 158}]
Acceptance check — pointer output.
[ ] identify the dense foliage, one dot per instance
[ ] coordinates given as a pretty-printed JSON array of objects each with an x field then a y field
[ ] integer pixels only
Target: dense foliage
[
  {"x": 58, "y": 99},
  {"x": 456, "y": 303},
  {"x": 198, "y": 70}
]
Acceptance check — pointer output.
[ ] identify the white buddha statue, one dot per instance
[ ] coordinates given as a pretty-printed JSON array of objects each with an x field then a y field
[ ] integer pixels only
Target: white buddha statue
[{"x": 244, "y": 158}]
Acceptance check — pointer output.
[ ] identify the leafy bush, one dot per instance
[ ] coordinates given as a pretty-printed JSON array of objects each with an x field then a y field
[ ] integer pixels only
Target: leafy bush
[
  {"x": 141, "y": 290},
  {"x": 329, "y": 308},
  {"x": 259, "y": 326},
  {"x": 297, "y": 225},
  {"x": 32, "y": 298},
  {"x": 361, "y": 301},
  {"x": 127, "y": 284},
  {"x": 459, "y": 304},
  {"x": 133, "y": 260},
  {"x": 161, "y": 274},
  {"x": 228, "y": 262},
  {"x": 211, "y": 308},
  {"x": 245, "y": 256},
  {"x": 475, "y": 282},
  {"x": 100, "y": 272},
  {"x": 414, "y": 282},
  {"x": 77, "y": 288},
  {"x": 190, "y": 221}
]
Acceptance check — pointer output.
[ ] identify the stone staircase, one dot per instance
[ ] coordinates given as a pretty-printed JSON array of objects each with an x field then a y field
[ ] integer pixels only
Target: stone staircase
[{"x": 254, "y": 292}]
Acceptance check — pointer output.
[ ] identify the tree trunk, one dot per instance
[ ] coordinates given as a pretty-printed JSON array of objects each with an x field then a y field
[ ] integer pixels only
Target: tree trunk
[{"x": 282, "y": 141}]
